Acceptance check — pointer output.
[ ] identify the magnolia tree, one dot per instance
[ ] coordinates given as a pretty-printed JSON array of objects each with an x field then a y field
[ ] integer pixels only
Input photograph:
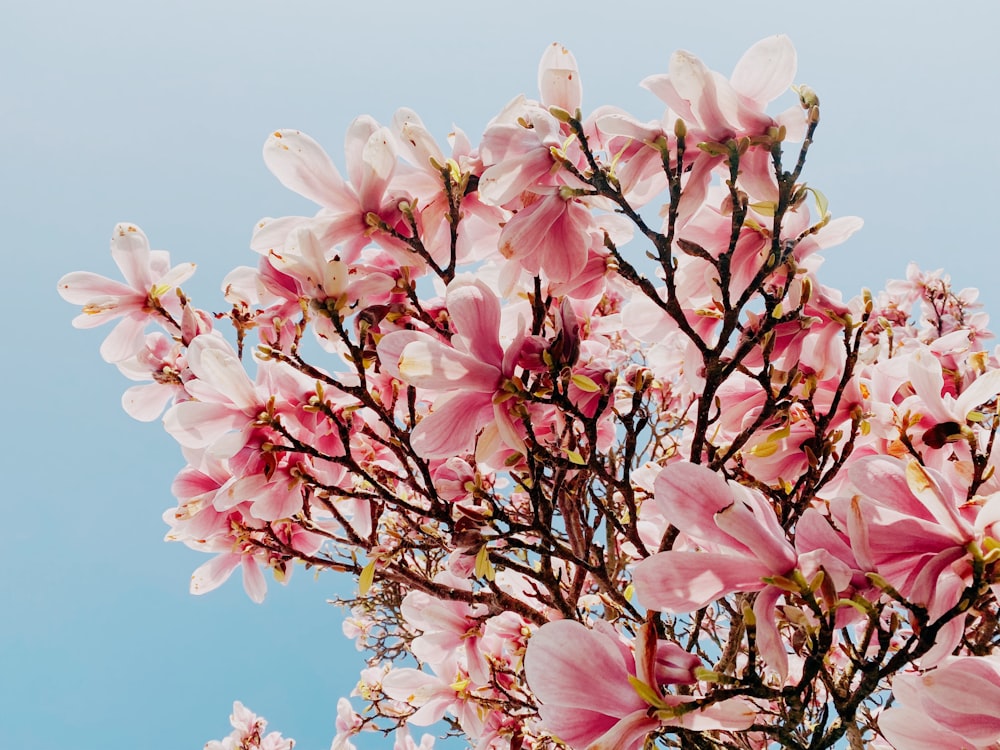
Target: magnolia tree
[{"x": 610, "y": 464}]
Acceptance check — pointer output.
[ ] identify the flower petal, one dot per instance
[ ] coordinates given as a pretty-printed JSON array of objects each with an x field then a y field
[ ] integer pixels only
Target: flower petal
[
  {"x": 679, "y": 581},
  {"x": 766, "y": 70},
  {"x": 301, "y": 164}
]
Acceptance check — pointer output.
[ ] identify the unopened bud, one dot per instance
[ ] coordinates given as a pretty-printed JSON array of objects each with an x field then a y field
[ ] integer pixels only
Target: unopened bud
[
  {"x": 560, "y": 114},
  {"x": 807, "y": 97}
]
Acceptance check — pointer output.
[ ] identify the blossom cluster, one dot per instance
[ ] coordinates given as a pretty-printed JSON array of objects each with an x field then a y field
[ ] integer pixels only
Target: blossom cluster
[{"x": 609, "y": 462}]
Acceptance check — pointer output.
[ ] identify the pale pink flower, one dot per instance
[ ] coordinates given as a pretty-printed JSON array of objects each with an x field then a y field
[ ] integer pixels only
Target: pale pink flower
[
  {"x": 302, "y": 165},
  {"x": 226, "y": 402},
  {"x": 717, "y": 109},
  {"x": 721, "y": 108},
  {"x": 449, "y": 634},
  {"x": 248, "y": 733},
  {"x": 148, "y": 278},
  {"x": 432, "y": 696},
  {"x": 517, "y": 153},
  {"x": 160, "y": 360}
]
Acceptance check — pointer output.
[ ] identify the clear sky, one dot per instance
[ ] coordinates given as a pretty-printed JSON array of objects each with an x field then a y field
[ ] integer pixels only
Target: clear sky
[{"x": 155, "y": 113}]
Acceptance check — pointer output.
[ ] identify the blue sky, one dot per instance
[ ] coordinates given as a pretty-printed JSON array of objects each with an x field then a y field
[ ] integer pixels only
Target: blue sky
[{"x": 155, "y": 113}]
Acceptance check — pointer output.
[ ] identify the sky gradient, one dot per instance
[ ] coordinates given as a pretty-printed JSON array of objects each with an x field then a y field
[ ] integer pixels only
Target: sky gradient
[{"x": 155, "y": 113}]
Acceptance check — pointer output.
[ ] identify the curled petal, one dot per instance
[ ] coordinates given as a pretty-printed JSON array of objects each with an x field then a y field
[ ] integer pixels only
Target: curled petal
[{"x": 559, "y": 79}]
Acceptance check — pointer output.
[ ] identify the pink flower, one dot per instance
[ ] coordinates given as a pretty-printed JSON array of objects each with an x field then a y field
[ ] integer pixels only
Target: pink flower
[
  {"x": 721, "y": 108},
  {"x": 595, "y": 693},
  {"x": 302, "y": 165},
  {"x": 741, "y": 546},
  {"x": 148, "y": 278},
  {"x": 471, "y": 371},
  {"x": 227, "y": 402},
  {"x": 906, "y": 520},
  {"x": 740, "y": 536}
]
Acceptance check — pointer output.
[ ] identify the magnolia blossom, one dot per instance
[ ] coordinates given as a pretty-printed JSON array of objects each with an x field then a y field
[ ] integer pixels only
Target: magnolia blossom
[
  {"x": 473, "y": 369},
  {"x": 248, "y": 733},
  {"x": 148, "y": 280},
  {"x": 742, "y": 547}
]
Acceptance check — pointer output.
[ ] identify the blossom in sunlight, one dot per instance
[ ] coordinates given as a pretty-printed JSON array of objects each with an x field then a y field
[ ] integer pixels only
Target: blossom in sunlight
[{"x": 148, "y": 280}]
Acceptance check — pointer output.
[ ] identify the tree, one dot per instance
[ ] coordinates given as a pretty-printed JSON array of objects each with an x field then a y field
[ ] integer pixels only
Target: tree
[{"x": 610, "y": 464}]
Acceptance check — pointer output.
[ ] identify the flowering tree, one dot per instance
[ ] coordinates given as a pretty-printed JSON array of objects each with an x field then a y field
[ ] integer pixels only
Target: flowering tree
[{"x": 611, "y": 466}]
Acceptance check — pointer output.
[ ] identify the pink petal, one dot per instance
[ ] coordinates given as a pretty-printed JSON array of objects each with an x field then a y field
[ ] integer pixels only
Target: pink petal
[
  {"x": 883, "y": 479},
  {"x": 689, "y": 496},
  {"x": 985, "y": 388},
  {"x": 909, "y": 728},
  {"x": 146, "y": 402},
  {"x": 270, "y": 234},
  {"x": 559, "y": 79},
  {"x": 628, "y": 733},
  {"x": 130, "y": 249},
  {"x": 661, "y": 86},
  {"x": 735, "y": 713},
  {"x": 451, "y": 427},
  {"x": 766, "y": 70},
  {"x": 575, "y": 727},
  {"x": 301, "y": 165},
  {"x": 81, "y": 287},
  {"x": 558, "y": 677},
  {"x": 502, "y": 182},
  {"x": 214, "y": 573},
  {"x": 769, "y": 545},
  {"x": 126, "y": 339},
  {"x": 475, "y": 312},
  {"x": 176, "y": 275},
  {"x": 928, "y": 381},
  {"x": 769, "y": 641},
  {"x": 378, "y": 161},
  {"x": 426, "y": 362},
  {"x": 416, "y": 139},
  {"x": 197, "y": 424},
  {"x": 253, "y": 580},
  {"x": 357, "y": 135},
  {"x": 216, "y": 364},
  {"x": 564, "y": 247},
  {"x": 695, "y": 84},
  {"x": 681, "y": 582}
]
